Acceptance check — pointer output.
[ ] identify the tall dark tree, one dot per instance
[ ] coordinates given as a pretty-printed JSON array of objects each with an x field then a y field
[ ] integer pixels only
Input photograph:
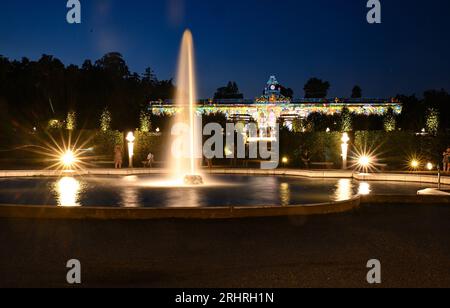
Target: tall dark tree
[
  {"x": 287, "y": 92},
  {"x": 438, "y": 100},
  {"x": 114, "y": 64},
  {"x": 356, "y": 92},
  {"x": 34, "y": 92},
  {"x": 87, "y": 65},
  {"x": 231, "y": 91},
  {"x": 413, "y": 113},
  {"x": 149, "y": 76},
  {"x": 316, "y": 88}
]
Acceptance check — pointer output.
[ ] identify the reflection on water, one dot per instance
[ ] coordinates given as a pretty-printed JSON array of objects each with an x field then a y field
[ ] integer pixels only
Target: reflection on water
[
  {"x": 130, "y": 197},
  {"x": 68, "y": 190},
  {"x": 226, "y": 190},
  {"x": 130, "y": 179},
  {"x": 364, "y": 189},
  {"x": 285, "y": 194},
  {"x": 183, "y": 198},
  {"x": 263, "y": 188},
  {"x": 344, "y": 190},
  {"x": 129, "y": 193}
]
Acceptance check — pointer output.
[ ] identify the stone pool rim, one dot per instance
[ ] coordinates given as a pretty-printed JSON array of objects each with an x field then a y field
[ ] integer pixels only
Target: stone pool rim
[
  {"x": 315, "y": 174},
  {"x": 108, "y": 213},
  {"x": 105, "y": 213}
]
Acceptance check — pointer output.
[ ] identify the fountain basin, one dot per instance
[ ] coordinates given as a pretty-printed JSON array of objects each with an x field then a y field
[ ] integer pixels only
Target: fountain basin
[{"x": 152, "y": 191}]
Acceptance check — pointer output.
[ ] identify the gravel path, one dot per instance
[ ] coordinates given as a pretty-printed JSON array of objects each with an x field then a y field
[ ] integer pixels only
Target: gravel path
[{"x": 412, "y": 242}]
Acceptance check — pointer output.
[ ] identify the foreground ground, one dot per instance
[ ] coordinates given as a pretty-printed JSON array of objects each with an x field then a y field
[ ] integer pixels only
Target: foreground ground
[{"x": 412, "y": 242}]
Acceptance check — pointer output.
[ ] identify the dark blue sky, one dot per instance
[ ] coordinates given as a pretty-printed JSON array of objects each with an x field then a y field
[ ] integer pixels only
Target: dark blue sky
[{"x": 248, "y": 40}]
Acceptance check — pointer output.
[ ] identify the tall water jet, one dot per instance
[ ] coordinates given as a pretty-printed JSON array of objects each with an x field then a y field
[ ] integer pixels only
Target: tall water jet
[{"x": 185, "y": 165}]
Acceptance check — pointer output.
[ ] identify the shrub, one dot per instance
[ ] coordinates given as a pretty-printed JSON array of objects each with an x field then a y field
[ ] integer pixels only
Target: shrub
[
  {"x": 148, "y": 143},
  {"x": 321, "y": 146},
  {"x": 104, "y": 142}
]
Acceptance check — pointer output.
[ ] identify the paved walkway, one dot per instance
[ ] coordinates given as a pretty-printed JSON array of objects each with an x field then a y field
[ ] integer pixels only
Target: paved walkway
[{"x": 412, "y": 242}]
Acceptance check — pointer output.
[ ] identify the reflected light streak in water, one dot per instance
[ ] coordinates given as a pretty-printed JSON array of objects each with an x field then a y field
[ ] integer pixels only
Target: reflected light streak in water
[
  {"x": 130, "y": 193},
  {"x": 364, "y": 189},
  {"x": 344, "y": 190},
  {"x": 130, "y": 197},
  {"x": 68, "y": 190},
  {"x": 184, "y": 198},
  {"x": 285, "y": 194},
  {"x": 131, "y": 179}
]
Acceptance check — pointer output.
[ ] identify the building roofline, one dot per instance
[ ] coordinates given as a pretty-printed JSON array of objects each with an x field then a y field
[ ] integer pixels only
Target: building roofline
[{"x": 300, "y": 101}]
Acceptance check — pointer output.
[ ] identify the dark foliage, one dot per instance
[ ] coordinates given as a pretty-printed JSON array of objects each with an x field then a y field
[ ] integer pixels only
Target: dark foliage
[
  {"x": 231, "y": 91},
  {"x": 357, "y": 92},
  {"x": 316, "y": 88},
  {"x": 287, "y": 92},
  {"x": 36, "y": 91}
]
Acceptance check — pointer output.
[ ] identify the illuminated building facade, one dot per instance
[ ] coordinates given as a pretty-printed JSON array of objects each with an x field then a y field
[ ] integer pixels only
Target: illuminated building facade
[{"x": 272, "y": 107}]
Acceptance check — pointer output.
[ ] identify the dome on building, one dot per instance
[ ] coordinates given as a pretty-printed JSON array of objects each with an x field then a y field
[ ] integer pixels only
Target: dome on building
[{"x": 272, "y": 92}]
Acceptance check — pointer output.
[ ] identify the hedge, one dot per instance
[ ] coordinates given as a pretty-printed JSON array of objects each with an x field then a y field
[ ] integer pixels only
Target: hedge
[
  {"x": 393, "y": 149},
  {"x": 149, "y": 143},
  {"x": 396, "y": 148},
  {"x": 104, "y": 142}
]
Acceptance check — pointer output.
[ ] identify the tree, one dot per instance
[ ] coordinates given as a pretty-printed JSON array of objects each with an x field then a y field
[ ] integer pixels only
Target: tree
[
  {"x": 105, "y": 120},
  {"x": 357, "y": 92},
  {"x": 316, "y": 88},
  {"x": 145, "y": 122},
  {"x": 164, "y": 89},
  {"x": 411, "y": 117},
  {"x": 432, "y": 121},
  {"x": 320, "y": 122},
  {"x": 71, "y": 121},
  {"x": 287, "y": 92},
  {"x": 114, "y": 64},
  {"x": 300, "y": 125},
  {"x": 149, "y": 76},
  {"x": 439, "y": 101},
  {"x": 87, "y": 65},
  {"x": 6, "y": 123},
  {"x": 36, "y": 92},
  {"x": 389, "y": 121},
  {"x": 346, "y": 120},
  {"x": 231, "y": 91},
  {"x": 362, "y": 122}
]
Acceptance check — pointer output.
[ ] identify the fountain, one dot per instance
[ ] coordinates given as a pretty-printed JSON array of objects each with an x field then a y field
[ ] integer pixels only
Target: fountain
[{"x": 185, "y": 166}]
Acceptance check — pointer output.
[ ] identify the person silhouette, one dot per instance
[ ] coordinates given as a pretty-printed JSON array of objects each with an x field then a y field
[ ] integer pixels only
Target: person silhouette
[{"x": 118, "y": 157}]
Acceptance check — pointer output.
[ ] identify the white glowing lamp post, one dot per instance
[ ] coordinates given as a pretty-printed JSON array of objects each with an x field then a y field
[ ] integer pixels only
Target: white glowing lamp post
[
  {"x": 131, "y": 139},
  {"x": 345, "y": 139}
]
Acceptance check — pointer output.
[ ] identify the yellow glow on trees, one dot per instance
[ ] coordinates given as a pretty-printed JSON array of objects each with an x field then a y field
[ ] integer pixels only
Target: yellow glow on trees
[
  {"x": 105, "y": 120},
  {"x": 390, "y": 122},
  {"x": 346, "y": 120},
  {"x": 145, "y": 122},
  {"x": 71, "y": 121},
  {"x": 432, "y": 121}
]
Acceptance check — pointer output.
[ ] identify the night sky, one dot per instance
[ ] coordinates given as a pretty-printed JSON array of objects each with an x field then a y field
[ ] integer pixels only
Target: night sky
[{"x": 248, "y": 40}]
